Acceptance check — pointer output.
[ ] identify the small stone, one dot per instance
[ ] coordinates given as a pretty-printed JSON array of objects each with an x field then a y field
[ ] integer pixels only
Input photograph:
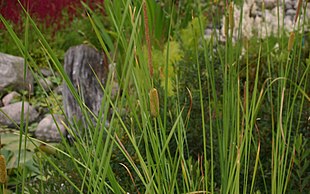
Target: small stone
[
  {"x": 10, "y": 115},
  {"x": 208, "y": 32},
  {"x": 270, "y": 4},
  {"x": 289, "y": 26},
  {"x": 58, "y": 90},
  {"x": 259, "y": 14},
  {"x": 296, "y": 4},
  {"x": 46, "y": 72},
  {"x": 7, "y": 99},
  {"x": 45, "y": 83},
  {"x": 290, "y": 12},
  {"x": 48, "y": 128},
  {"x": 288, "y": 20},
  {"x": 288, "y": 6}
]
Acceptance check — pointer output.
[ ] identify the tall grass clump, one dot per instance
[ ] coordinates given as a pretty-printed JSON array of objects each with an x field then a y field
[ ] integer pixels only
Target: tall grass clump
[{"x": 194, "y": 115}]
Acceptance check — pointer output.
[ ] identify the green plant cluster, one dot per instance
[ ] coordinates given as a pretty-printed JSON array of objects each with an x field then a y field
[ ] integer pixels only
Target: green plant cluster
[{"x": 233, "y": 117}]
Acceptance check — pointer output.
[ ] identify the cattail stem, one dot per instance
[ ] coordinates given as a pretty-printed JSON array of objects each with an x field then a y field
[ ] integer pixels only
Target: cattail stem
[
  {"x": 147, "y": 37},
  {"x": 226, "y": 25},
  {"x": 297, "y": 11},
  {"x": 231, "y": 18}
]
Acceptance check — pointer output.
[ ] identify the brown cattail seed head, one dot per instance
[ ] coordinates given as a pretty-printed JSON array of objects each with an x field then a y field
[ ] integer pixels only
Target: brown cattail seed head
[
  {"x": 226, "y": 25},
  {"x": 291, "y": 41},
  {"x": 154, "y": 102},
  {"x": 231, "y": 17},
  {"x": 3, "y": 174},
  {"x": 47, "y": 149}
]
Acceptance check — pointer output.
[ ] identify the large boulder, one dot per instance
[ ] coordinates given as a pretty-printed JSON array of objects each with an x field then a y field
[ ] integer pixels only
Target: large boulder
[
  {"x": 12, "y": 73},
  {"x": 80, "y": 64},
  {"x": 11, "y": 114}
]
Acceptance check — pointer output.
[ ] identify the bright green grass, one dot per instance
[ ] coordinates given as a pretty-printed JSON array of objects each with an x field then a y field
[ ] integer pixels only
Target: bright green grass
[{"x": 231, "y": 139}]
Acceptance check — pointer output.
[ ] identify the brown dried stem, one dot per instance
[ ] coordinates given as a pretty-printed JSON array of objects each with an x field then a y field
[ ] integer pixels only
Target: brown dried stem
[{"x": 147, "y": 37}]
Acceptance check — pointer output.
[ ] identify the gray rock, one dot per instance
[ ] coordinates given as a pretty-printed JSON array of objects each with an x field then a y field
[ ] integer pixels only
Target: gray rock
[
  {"x": 45, "y": 83},
  {"x": 289, "y": 2},
  {"x": 80, "y": 64},
  {"x": 12, "y": 73},
  {"x": 296, "y": 4},
  {"x": 269, "y": 4},
  {"x": 46, "y": 72},
  {"x": 253, "y": 9},
  {"x": 58, "y": 90},
  {"x": 288, "y": 20},
  {"x": 7, "y": 99},
  {"x": 288, "y": 6},
  {"x": 290, "y": 12},
  {"x": 48, "y": 128},
  {"x": 11, "y": 114},
  {"x": 208, "y": 32}
]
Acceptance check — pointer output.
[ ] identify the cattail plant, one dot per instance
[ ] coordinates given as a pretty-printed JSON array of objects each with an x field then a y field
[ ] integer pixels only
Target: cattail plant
[
  {"x": 297, "y": 11},
  {"x": 147, "y": 37},
  {"x": 291, "y": 41},
  {"x": 231, "y": 18},
  {"x": 154, "y": 102},
  {"x": 3, "y": 175},
  {"x": 226, "y": 25}
]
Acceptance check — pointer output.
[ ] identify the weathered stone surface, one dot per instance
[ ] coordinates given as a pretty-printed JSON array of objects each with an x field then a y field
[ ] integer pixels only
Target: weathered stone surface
[
  {"x": 48, "y": 128},
  {"x": 45, "y": 83},
  {"x": 80, "y": 64},
  {"x": 7, "y": 99},
  {"x": 58, "y": 90},
  {"x": 13, "y": 111},
  {"x": 12, "y": 73},
  {"x": 46, "y": 72},
  {"x": 258, "y": 13}
]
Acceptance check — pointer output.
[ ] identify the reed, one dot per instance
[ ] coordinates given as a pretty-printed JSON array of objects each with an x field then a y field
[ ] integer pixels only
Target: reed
[{"x": 235, "y": 100}]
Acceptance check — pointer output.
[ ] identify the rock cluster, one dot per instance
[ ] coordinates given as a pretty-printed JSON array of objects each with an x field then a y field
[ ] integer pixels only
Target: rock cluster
[
  {"x": 81, "y": 62},
  {"x": 10, "y": 114},
  {"x": 264, "y": 18},
  {"x": 12, "y": 109}
]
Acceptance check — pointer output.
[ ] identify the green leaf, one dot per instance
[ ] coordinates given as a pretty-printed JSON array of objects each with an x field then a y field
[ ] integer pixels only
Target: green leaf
[
  {"x": 190, "y": 36},
  {"x": 175, "y": 53},
  {"x": 10, "y": 148}
]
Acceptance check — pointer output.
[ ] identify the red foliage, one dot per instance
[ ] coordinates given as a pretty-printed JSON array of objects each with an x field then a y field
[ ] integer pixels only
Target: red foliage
[{"x": 48, "y": 11}]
